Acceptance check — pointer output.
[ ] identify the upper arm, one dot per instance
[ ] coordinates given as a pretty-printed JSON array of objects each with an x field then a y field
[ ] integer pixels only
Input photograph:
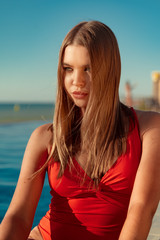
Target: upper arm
[
  {"x": 28, "y": 190},
  {"x": 146, "y": 189}
]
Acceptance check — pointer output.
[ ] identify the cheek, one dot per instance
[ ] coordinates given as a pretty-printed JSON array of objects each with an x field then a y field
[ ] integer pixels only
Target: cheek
[{"x": 67, "y": 82}]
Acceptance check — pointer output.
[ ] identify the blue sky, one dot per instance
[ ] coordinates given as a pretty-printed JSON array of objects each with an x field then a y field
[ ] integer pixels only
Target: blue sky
[{"x": 31, "y": 33}]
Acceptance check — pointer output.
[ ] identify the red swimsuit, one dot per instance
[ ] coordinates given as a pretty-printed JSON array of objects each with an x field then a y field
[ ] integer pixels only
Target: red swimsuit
[{"x": 77, "y": 212}]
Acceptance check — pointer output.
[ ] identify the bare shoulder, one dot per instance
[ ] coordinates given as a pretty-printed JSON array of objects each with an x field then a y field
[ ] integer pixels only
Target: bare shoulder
[
  {"x": 146, "y": 189},
  {"x": 43, "y": 136},
  {"x": 38, "y": 148},
  {"x": 149, "y": 121},
  {"x": 44, "y": 130}
]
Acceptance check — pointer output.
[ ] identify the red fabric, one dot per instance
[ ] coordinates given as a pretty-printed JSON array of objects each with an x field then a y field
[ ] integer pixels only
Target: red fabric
[{"x": 77, "y": 212}]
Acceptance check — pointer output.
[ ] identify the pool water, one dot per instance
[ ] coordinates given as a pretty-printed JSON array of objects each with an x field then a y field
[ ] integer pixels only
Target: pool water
[{"x": 13, "y": 140}]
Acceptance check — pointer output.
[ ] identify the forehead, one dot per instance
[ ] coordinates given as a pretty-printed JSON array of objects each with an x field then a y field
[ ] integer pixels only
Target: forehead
[{"x": 76, "y": 54}]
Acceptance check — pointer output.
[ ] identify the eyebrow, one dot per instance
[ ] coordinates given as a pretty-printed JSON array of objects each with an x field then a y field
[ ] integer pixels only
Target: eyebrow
[{"x": 67, "y": 64}]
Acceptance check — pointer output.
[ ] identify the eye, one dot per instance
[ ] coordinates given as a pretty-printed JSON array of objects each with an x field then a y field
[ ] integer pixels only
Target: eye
[
  {"x": 67, "y": 69},
  {"x": 87, "y": 69}
]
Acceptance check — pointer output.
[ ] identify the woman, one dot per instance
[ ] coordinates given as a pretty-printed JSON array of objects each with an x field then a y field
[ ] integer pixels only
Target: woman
[{"x": 102, "y": 158}]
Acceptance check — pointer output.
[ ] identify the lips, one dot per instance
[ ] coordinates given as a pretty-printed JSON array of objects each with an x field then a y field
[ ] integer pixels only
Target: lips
[{"x": 79, "y": 95}]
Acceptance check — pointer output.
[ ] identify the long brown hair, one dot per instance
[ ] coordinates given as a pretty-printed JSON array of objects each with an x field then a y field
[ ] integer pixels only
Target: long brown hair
[{"x": 102, "y": 131}]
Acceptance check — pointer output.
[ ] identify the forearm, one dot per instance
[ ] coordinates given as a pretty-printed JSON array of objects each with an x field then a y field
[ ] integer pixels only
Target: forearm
[
  {"x": 137, "y": 224},
  {"x": 13, "y": 228}
]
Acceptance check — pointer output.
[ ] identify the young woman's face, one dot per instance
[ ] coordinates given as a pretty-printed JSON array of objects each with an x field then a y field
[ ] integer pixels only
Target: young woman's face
[{"x": 77, "y": 75}]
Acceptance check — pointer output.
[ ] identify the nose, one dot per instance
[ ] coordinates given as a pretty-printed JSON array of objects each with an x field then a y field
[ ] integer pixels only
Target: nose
[{"x": 78, "y": 79}]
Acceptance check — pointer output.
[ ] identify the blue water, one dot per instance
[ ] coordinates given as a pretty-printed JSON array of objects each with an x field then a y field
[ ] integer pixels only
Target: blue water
[
  {"x": 17, "y": 112},
  {"x": 13, "y": 140}
]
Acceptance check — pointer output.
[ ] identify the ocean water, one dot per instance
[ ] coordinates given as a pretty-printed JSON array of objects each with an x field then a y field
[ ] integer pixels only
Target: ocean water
[
  {"x": 18, "y": 112},
  {"x": 13, "y": 139}
]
